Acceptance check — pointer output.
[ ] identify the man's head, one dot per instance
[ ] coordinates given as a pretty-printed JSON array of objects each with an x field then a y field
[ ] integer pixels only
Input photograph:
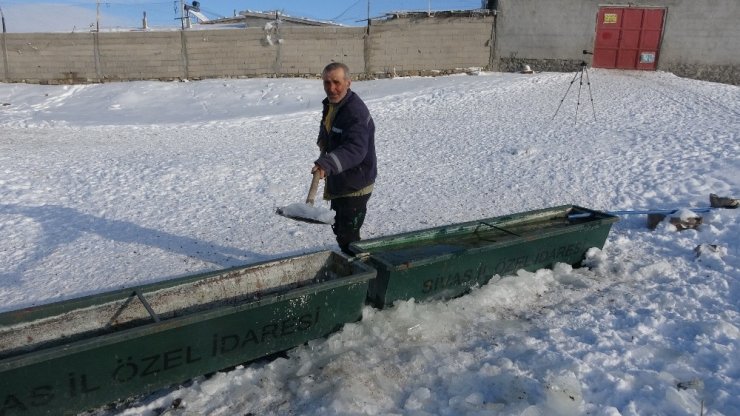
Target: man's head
[{"x": 336, "y": 81}]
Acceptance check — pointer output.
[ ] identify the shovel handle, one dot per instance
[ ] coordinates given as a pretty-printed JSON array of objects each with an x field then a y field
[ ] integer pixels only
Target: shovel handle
[{"x": 314, "y": 187}]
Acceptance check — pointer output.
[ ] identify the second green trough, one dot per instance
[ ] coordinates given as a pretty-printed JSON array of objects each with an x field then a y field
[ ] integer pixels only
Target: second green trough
[{"x": 444, "y": 262}]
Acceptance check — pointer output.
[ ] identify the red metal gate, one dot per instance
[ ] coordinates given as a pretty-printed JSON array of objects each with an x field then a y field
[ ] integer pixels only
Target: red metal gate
[{"x": 628, "y": 38}]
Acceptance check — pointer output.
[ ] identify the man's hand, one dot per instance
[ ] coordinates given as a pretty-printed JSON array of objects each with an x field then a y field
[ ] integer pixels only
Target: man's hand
[{"x": 317, "y": 168}]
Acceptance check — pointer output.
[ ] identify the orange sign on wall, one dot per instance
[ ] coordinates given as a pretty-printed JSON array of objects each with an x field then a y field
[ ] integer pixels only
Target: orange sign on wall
[{"x": 610, "y": 18}]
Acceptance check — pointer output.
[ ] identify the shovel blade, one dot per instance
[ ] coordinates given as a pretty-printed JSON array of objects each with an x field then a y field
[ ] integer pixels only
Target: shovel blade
[{"x": 307, "y": 213}]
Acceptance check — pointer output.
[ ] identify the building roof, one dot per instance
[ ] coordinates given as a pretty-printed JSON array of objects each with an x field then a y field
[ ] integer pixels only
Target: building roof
[
  {"x": 437, "y": 13},
  {"x": 250, "y": 17}
]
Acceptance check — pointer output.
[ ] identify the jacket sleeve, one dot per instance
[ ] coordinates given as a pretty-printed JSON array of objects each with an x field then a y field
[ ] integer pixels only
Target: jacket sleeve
[
  {"x": 321, "y": 141},
  {"x": 353, "y": 148}
]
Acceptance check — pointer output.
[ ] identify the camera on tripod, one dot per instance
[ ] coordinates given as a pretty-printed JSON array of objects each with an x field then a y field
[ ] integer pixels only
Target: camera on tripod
[
  {"x": 579, "y": 74},
  {"x": 585, "y": 52}
]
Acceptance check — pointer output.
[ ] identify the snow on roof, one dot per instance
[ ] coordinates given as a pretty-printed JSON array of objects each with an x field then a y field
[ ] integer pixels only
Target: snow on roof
[{"x": 272, "y": 15}]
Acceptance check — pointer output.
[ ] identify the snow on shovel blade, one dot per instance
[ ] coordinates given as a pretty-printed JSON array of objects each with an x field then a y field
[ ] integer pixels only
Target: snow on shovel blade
[{"x": 307, "y": 213}]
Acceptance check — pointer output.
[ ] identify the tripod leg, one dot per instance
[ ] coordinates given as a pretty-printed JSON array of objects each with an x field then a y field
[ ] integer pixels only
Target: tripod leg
[
  {"x": 588, "y": 81},
  {"x": 565, "y": 95},
  {"x": 578, "y": 102}
]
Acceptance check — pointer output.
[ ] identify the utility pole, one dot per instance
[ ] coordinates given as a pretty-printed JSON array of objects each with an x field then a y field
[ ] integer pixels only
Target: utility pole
[
  {"x": 182, "y": 15},
  {"x": 97, "y": 15},
  {"x": 3, "y": 18}
]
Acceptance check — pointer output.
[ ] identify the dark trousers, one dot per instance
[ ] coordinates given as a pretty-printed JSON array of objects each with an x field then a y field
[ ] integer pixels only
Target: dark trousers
[{"x": 350, "y": 214}]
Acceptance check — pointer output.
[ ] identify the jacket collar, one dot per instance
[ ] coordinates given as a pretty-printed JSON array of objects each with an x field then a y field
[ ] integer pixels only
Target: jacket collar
[{"x": 325, "y": 102}]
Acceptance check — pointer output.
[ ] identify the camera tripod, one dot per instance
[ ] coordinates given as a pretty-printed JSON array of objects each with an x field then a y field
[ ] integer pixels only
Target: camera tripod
[{"x": 579, "y": 75}]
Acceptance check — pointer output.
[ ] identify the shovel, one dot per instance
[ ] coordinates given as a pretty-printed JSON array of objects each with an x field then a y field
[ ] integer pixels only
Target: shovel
[{"x": 308, "y": 212}]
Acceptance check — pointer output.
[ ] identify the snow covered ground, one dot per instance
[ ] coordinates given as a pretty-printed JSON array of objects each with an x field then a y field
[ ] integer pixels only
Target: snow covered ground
[{"x": 114, "y": 185}]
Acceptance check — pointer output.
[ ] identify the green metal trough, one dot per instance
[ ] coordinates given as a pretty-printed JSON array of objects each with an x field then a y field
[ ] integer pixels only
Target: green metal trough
[
  {"x": 66, "y": 357},
  {"x": 74, "y": 355},
  {"x": 444, "y": 262}
]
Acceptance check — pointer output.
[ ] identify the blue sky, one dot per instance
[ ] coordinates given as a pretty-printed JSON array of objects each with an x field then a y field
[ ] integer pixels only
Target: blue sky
[{"x": 78, "y": 15}]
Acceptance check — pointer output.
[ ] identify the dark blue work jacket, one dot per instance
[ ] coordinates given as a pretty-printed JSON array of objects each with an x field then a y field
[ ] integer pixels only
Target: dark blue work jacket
[{"x": 349, "y": 159}]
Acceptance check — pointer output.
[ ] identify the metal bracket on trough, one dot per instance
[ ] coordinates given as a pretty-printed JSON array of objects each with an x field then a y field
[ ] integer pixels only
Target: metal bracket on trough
[{"x": 146, "y": 305}]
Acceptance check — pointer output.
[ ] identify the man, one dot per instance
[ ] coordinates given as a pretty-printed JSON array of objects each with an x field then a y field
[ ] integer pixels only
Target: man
[{"x": 347, "y": 161}]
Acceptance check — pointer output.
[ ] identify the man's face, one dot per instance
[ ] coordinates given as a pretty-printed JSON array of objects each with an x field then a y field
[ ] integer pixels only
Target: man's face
[{"x": 336, "y": 85}]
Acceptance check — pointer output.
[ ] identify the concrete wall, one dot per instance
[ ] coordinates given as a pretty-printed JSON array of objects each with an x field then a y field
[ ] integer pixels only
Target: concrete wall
[
  {"x": 418, "y": 45},
  {"x": 289, "y": 51},
  {"x": 699, "y": 40},
  {"x": 306, "y": 50},
  {"x": 408, "y": 45},
  {"x": 397, "y": 46},
  {"x": 231, "y": 53},
  {"x": 529, "y": 30},
  {"x": 139, "y": 55},
  {"x": 38, "y": 57}
]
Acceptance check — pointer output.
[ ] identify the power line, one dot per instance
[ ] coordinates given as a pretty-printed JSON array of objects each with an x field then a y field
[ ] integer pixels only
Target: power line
[{"x": 346, "y": 10}]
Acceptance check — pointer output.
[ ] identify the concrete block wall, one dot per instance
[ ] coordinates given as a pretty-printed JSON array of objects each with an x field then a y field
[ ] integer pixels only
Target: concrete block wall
[
  {"x": 700, "y": 40},
  {"x": 405, "y": 46},
  {"x": 228, "y": 53},
  {"x": 140, "y": 55},
  {"x": 699, "y": 37},
  {"x": 705, "y": 32},
  {"x": 37, "y": 58},
  {"x": 555, "y": 29},
  {"x": 306, "y": 50}
]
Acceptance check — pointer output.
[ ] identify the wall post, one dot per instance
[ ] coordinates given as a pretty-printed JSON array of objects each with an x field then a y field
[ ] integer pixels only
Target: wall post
[
  {"x": 366, "y": 50},
  {"x": 6, "y": 69},
  {"x": 184, "y": 54},
  {"x": 96, "y": 56},
  {"x": 278, "y": 48},
  {"x": 492, "y": 43}
]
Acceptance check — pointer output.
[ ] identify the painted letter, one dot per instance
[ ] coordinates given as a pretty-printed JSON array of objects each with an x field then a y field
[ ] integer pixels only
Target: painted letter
[
  {"x": 189, "y": 358},
  {"x": 250, "y": 337},
  {"x": 172, "y": 359},
  {"x": 228, "y": 347},
  {"x": 12, "y": 403},
  {"x": 150, "y": 368},
  {"x": 41, "y": 395}
]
